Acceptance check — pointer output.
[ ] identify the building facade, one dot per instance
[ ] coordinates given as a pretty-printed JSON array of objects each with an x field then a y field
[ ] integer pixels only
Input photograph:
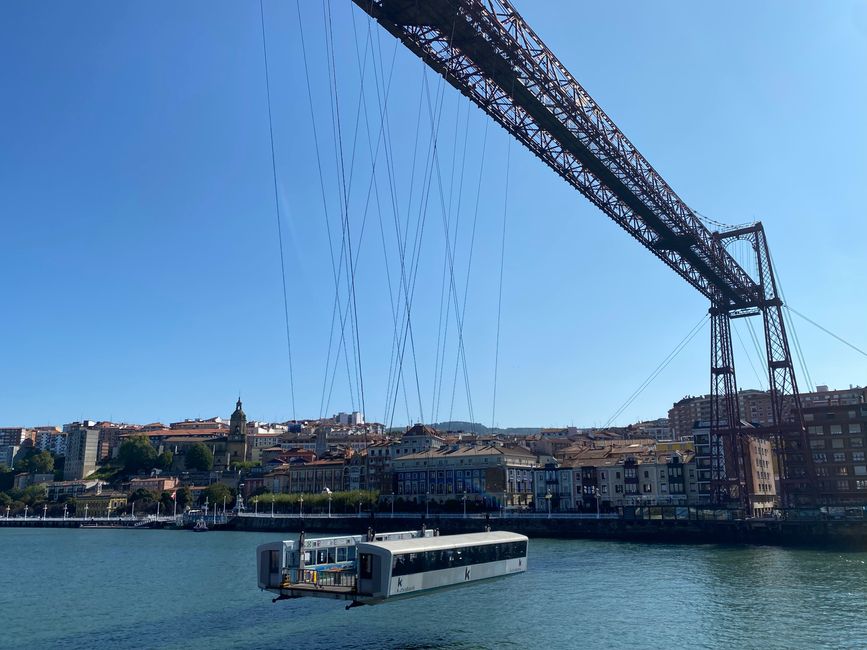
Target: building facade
[
  {"x": 495, "y": 476},
  {"x": 81, "y": 453}
]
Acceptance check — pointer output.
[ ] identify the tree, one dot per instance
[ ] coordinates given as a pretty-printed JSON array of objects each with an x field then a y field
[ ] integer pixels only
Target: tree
[
  {"x": 146, "y": 497},
  {"x": 184, "y": 497},
  {"x": 40, "y": 462},
  {"x": 165, "y": 459},
  {"x": 136, "y": 454},
  {"x": 167, "y": 502},
  {"x": 199, "y": 457},
  {"x": 216, "y": 492}
]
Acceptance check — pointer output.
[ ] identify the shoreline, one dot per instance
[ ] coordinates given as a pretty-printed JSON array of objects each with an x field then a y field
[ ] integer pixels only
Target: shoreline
[{"x": 826, "y": 534}]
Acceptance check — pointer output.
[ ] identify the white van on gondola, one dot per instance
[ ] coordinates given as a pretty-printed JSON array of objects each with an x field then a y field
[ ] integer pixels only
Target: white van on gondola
[{"x": 389, "y": 566}]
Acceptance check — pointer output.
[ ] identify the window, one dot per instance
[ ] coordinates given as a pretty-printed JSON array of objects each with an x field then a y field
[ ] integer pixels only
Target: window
[
  {"x": 817, "y": 444},
  {"x": 646, "y": 474},
  {"x": 860, "y": 470},
  {"x": 839, "y": 457},
  {"x": 366, "y": 566},
  {"x": 836, "y": 429},
  {"x": 820, "y": 458},
  {"x": 808, "y": 417},
  {"x": 837, "y": 443},
  {"x": 861, "y": 485},
  {"x": 856, "y": 442},
  {"x": 855, "y": 427},
  {"x": 857, "y": 456},
  {"x": 618, "y": 489},
  {"x": 842, "y": 485},
  {"x": 816, "y": 431}
]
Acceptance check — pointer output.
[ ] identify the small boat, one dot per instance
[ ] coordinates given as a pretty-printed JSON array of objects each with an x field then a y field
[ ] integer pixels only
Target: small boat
[
  {"x": 380, "y": 568},
  {"x": 200, "y": 527}
]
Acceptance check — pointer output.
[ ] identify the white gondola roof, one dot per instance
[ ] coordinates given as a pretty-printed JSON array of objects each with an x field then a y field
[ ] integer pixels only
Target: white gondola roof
[{"x": 445, "y": 542}]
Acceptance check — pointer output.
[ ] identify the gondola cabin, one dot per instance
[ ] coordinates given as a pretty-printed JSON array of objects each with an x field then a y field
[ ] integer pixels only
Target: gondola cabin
[{"x": 389, "y": 566}]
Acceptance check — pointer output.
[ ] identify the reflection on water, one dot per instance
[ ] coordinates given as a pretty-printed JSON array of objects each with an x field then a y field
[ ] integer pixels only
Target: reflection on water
[{"x": 174, "y": 589}]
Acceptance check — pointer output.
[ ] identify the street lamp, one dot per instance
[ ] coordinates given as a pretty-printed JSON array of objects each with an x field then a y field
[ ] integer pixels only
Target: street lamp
[
  {"x": 392, "y": 505},
  {"x": 426, "y": 501},
  {"x": 44, "y": 511},
  {"x": 7, "y": 512},
  {"x": 256, "y": 506},
  {"x": 224, "y": 506},
  {"x": 548, "y": 497},
  {"x": 598, "y": 496},
  {"x": 158, "y": 509},
  {"x": 329, "y": 503},
  {"x": 64, "y": 511},
  {"x": 301, "y": 506},
  {"x": 86, "y": 508},
  {"x": 464, "y": 499},
  {"x": 132, "y": 511},
  {"x": 25, "y": 513},
  {"x": 272, "y": 506},
  {"x": 359, "y": 507}
]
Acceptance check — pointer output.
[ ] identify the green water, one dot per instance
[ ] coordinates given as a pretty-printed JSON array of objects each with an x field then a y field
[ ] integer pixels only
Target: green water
[{"x": 177, "y": 589}]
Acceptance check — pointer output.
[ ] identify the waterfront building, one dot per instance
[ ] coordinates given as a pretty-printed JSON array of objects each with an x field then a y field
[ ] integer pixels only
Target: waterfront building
[
  {"x": 351, "y": 419},
  {"x": 755, "y": 406},
  {"x": 759, "y": 460},
  {"x": 496, "y": 476},
  {"x": 153, "y": 483},
  {"x": 210, "y": 423},
  {"x": 57, "y": 490},
  {"x": 81, "y": 452},
  {"x": 308, "y": 478},
  {"x": 836, "y": 433},
  {"x": 615, "y": 476},
  {"x": 99, "y": 504}
]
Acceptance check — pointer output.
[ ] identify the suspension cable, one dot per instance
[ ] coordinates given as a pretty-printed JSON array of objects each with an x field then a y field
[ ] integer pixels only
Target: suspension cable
[
  {"x": 827, "y": 331},
  {"x": 662, "y": 366},
  {"x": 500, "y": 294},
  {"x": 277, "y": 206}
]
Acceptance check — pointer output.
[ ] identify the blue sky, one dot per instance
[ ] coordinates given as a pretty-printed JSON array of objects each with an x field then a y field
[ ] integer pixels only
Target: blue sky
[{"x": 141, "y": 263}]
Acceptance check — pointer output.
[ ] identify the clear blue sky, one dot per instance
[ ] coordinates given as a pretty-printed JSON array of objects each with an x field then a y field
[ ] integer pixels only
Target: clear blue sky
[{"x": 140, "y": 258}]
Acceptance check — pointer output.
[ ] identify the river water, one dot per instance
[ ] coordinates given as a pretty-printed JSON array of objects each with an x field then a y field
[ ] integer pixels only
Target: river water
[{"x": 175, "y": 589}]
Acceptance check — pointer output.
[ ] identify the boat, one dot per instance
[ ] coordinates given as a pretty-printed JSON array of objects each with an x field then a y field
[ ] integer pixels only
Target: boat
[
  {"x": 200, "y": 527},
  {"x": 372, "y": 569}
]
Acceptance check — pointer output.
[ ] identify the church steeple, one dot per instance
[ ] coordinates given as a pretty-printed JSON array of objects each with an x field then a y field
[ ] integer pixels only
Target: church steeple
[{"x": 237, "y": 439}]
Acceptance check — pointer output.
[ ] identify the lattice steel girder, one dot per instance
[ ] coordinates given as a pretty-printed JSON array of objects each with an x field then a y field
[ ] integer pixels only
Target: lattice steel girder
[{"x": 486, "y": 50}]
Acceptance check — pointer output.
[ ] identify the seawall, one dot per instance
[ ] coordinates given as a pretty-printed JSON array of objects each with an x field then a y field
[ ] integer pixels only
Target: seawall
[{"x": 814, "y": 533}]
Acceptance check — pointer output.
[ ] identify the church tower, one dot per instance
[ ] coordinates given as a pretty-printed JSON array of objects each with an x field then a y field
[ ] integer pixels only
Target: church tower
[{"x": 236, "y": 444}]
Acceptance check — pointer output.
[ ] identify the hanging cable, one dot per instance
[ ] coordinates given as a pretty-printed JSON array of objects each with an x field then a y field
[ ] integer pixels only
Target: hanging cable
[
  {"x": 662, "y": 366},
  {"x": 827, "y": 331},
  {"x": 500, "y": 293},
  {"x": 749, "y": 358},
  {"x": 277, "y": 205}
]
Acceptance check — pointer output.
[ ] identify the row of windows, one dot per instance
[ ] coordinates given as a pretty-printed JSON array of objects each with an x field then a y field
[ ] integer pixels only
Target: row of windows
[
  {"x": 834, "y": 429},
  {"x": 406, "y": 563},
  {"x": 839, "y": 457}
]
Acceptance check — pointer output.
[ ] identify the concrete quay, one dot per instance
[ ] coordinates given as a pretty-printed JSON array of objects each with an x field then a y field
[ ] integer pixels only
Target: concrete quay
[{"x": 809, "y": 533}]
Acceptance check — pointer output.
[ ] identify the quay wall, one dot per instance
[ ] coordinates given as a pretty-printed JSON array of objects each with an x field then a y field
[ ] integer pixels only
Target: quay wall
[{"x": 815, "y": 533}]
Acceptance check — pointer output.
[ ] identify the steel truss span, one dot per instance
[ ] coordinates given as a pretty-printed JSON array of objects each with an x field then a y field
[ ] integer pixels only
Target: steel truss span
[{"x": 487, "y": 51}]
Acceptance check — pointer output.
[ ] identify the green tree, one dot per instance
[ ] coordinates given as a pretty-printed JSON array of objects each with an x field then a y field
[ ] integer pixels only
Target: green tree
[
  {"x": 136, "y": 453},
  {"x": 145, "y": 497},
  {"x": 5, "y": 500},
  {"x": 167, "y": 502},
  {"x": 184, "y": 497},
  {"x": 199, "y": 457},
  {"x": 216, "y": 492},
  {"x": 41, "y": 462},
  {"x": 165, "y": 459}
]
